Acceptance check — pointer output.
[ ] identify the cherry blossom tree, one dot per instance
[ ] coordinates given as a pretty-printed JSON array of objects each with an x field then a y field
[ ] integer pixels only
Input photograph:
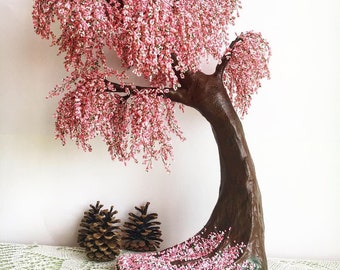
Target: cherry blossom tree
[{"x": 164, "y": 41}]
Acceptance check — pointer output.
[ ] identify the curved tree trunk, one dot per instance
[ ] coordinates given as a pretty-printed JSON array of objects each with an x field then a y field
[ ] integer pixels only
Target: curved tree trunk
[{"x": 239, "y": 206}]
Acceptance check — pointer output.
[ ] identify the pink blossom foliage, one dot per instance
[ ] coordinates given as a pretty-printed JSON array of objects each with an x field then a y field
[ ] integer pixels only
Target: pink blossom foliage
[
  {"x": 145, "y": 35},
  {"x": 197, "y": 253},
  {"x": 141, "y": 124},
  {"x": 154, "y": 30},
  {"x": 85, "y": 28},
  {"x": 248, "y": 64}
]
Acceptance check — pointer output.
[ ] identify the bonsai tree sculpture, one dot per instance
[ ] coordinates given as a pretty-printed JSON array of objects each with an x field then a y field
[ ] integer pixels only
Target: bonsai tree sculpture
[{"x": 164, "y": 41}]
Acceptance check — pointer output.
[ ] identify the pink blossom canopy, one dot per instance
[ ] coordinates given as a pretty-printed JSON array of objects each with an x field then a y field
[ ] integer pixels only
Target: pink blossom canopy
[{"x": 145, "y": 35}]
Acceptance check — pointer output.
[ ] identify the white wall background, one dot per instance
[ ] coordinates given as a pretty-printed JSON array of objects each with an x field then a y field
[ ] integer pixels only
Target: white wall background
[{"x": 292, "y": 129}]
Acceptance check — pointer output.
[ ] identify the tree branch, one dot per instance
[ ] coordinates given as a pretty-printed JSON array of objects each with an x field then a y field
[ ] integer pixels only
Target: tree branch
[
  {"x": 226, "y": 57},
  {"x": 128, "y": 90},
  {"x": 124, "y": 89}
]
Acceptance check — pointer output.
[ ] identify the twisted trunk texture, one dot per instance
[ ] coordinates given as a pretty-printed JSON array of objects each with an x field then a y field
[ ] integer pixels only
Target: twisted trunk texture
[{"x": 239, "y": 205}]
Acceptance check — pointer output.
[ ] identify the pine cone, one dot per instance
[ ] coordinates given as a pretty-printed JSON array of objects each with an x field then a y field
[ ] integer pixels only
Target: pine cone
[
  {"x": 99, "y": 233},
  {"x": 141, "y": 232}
]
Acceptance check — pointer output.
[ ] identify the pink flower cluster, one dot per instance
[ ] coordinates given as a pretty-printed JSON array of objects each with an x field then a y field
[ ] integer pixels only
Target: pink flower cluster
[
  {"x": 144, "y": 34},
  {"x": 85, "y": 29},
  {"x": 248, "y": 64},
  {"x": 152, "y": 31},
  {"x": 199, "y": 252},
  {"x": 139, "y": 125}
]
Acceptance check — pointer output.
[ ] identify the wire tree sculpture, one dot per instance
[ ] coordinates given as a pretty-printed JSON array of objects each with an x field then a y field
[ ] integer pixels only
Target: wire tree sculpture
[{"x": 164, "y": 41}]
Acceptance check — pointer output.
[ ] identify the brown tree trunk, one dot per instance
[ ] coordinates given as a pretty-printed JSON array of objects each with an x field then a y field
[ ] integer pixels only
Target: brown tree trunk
[{"x": 239, "y": 205}]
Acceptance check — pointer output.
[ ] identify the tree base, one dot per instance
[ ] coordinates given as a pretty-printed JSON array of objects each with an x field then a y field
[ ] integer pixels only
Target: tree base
[{"x": 204, "y": 251}]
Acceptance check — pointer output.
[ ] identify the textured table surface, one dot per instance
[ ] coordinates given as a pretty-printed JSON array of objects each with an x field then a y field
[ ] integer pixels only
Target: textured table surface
[{"x": 42, "y": 257}]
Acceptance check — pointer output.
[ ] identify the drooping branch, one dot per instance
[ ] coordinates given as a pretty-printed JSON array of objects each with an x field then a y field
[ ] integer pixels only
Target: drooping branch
[{"x": 247, "y": 66}]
